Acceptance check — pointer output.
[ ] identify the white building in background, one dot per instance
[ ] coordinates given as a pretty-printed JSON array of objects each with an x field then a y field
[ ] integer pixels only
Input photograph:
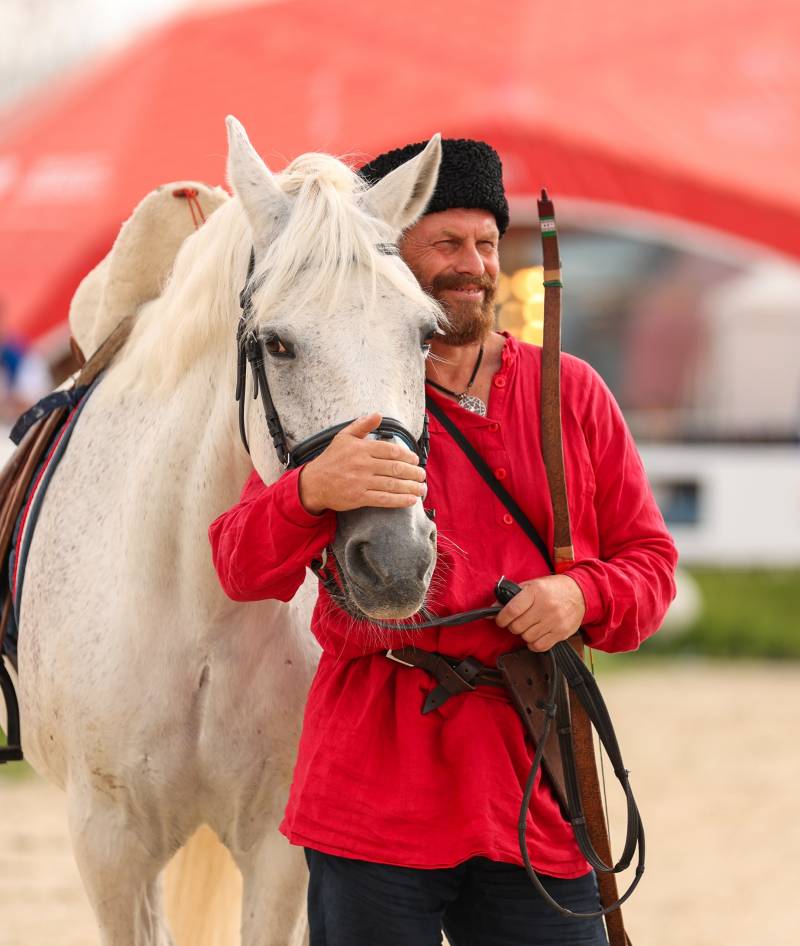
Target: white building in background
[
  {"x": 729, "y": 505},
  {"x": 752, "y": 376},
  {"x": 739, "y": 503}
]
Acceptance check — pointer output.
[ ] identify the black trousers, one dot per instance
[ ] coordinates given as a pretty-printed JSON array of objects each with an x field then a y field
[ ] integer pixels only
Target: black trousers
[{"x": 477, "y": 903}]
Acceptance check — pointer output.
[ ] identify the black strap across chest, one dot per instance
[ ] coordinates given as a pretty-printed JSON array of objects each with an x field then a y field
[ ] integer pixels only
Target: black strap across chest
[{"x": 490, "y": 479}]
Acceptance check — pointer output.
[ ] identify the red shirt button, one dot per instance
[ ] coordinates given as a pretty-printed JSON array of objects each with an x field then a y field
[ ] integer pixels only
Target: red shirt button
[
  {"x": 500, "y": 473},
  {"x": 499, "y": 382},
  {"x": 494, "y": 428},
  {"x": 508, "y": 518}
]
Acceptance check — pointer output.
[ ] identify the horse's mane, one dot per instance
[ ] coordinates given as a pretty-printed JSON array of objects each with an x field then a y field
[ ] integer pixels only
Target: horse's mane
[{"x": 328, "y": 235}]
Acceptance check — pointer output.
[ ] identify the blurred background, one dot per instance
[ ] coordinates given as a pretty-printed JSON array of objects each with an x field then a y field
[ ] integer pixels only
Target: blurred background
[{"x": 668, "y": 136}]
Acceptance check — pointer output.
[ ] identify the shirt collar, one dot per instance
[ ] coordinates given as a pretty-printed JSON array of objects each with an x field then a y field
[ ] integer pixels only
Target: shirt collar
[{"x": 499, "y": 392}]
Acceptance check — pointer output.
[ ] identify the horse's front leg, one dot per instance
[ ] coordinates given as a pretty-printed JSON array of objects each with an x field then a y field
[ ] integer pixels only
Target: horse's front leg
[
  {"x": 120, "y": 855},
  {"x": 274, "y": 896}
]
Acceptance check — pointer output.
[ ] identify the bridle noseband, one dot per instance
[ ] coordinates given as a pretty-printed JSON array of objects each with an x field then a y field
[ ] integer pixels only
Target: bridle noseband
[{"x": 249, "y": 350}]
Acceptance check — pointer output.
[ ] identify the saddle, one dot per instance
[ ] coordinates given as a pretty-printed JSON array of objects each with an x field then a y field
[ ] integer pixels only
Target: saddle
[{"x": 138, "y": 265}]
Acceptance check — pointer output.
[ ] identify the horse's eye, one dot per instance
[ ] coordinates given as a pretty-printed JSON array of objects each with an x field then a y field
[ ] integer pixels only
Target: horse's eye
[
  {"x": 427, "y": 339},
  {"x": 277, "y": 348}
]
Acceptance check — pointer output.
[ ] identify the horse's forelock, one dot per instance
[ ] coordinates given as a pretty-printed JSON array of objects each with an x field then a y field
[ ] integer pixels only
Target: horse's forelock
[
  {"x": 329, "y": 233},
  {"x": 315, "y": 169}
]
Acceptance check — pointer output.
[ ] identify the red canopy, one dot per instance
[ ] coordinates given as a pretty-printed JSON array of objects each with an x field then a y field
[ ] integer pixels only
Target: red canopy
[{"x": 689, "y": 109}]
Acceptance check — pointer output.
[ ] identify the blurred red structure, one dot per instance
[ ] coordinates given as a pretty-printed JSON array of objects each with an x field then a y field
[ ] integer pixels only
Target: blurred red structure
[{"x": 689, "y": 109}]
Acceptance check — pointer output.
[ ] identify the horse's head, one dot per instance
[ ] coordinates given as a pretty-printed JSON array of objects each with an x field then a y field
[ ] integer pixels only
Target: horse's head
[{"x": 341, "y": 326}]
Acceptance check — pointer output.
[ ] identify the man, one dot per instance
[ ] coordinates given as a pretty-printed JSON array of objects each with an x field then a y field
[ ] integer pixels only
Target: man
[{"x": 409, "y": 820}]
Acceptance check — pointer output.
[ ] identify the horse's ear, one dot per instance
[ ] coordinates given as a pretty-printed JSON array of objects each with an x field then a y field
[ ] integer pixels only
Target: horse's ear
[
  {"x": 253, "y": 183},
  {"x": 401, "y": 197}
]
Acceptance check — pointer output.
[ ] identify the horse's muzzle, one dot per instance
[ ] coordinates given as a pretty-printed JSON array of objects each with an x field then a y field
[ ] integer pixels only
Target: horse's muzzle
[{"x": 386, "y": 557}]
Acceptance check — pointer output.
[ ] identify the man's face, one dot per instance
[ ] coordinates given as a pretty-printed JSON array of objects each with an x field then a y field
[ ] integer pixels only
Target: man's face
[{"x": 453, "y": 254}]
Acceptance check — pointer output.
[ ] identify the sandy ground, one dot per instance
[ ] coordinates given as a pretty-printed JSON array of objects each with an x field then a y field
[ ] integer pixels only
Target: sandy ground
[{"x": 715, "y": 760}]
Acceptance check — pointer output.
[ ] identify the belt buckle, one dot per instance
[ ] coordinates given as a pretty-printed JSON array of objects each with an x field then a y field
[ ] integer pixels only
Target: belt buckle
[
  {"x": 392, "y": 656},
  {"x": 467, "y": 664}
]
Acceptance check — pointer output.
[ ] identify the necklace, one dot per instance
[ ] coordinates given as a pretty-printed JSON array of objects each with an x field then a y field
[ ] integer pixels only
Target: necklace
[{"x": 466, "y": 400}]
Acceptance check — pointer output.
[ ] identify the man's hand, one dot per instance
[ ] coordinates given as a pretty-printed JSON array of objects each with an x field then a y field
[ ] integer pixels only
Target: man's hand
[
  {"x": 353, "y": 472},
  {"x": 546, "y": 611}
]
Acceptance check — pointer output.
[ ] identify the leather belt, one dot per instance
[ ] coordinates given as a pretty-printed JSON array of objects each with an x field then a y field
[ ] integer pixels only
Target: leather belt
[
  {"x": 453, "y": 674},
  {"x": 524, "y": 678}
]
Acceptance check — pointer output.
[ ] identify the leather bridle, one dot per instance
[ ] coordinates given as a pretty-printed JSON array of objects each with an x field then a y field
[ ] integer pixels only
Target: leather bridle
[{"x": 250, "y": 350}]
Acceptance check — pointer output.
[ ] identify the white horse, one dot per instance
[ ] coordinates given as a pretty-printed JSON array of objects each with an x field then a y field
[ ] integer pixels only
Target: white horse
[{"x": 153, "y": 700}]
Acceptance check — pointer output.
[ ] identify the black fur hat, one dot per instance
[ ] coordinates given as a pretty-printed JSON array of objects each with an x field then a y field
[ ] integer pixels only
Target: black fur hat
[{"x": 470, "y": 175}]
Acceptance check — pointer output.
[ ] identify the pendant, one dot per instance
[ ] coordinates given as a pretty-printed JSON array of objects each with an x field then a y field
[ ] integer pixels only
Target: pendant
[{"x": 471, "y": 403}]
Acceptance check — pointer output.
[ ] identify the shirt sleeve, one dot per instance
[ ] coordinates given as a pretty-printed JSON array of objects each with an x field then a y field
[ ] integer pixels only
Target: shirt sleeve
[
  {"x": 629, "y": 585},
  {"x": 262, "y": 546}
]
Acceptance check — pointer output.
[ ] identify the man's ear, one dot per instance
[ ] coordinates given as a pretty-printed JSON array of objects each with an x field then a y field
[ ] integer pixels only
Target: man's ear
[{"x": 401, "y": 197}]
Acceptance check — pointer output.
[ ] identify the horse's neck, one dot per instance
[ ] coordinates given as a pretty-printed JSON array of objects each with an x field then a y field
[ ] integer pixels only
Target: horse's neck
[
  {"x": 192, "y": 468},
  {"x": 218, "y": 466}
]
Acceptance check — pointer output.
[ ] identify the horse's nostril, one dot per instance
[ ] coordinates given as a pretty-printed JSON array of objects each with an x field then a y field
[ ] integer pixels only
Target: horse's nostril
[{"x": 362, "y": 563}]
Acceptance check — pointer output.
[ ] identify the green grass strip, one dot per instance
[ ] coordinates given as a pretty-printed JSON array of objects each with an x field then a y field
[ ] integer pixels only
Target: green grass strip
[{"x": 748, "y": 614}]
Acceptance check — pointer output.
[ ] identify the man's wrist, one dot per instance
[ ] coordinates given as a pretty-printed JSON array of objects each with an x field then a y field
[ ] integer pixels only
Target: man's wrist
[
  {"x": 307, "y": 493},
  {"x": 578, "y": 597},
  {"x": 583, "y": 581}
]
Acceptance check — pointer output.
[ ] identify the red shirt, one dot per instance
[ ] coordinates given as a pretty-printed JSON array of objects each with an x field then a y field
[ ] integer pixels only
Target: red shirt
[{"x": 375, "y": 779}]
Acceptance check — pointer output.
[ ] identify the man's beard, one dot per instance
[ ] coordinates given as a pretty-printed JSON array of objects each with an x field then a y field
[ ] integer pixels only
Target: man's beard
[{"x": 468, "y": 321}]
